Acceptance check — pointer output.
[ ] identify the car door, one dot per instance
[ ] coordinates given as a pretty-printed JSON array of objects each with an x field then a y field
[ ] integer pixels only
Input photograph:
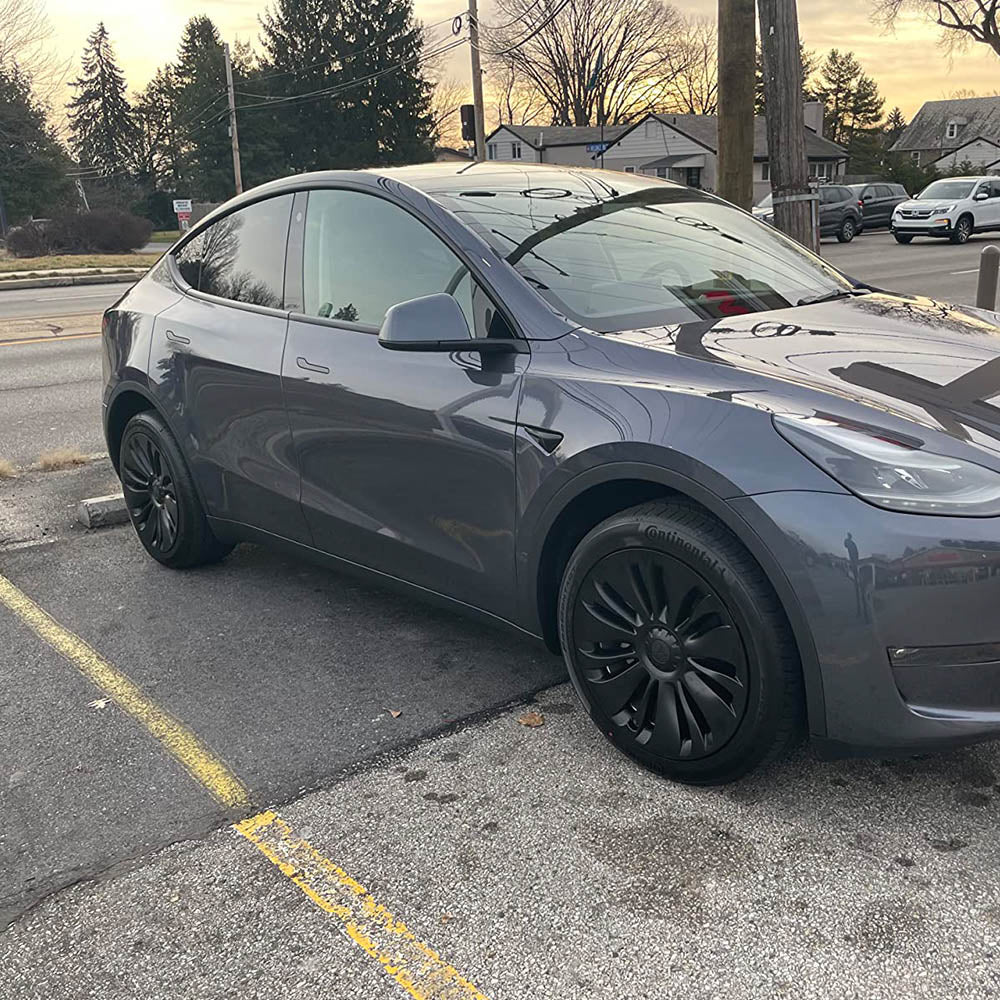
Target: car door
[
  {"x": 406, "y": 458},
  {"x": 215, "y": 365},
  {"x": 993, "y": 205},
  {"x": 830, "y": 210}
]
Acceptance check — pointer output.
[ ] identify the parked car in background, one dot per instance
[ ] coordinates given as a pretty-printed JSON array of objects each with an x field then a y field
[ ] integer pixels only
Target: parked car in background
[
  {"x": 839, "y": 212},
  {"x": 953, "y": 207},
  {"x": 877, "y": 201}
]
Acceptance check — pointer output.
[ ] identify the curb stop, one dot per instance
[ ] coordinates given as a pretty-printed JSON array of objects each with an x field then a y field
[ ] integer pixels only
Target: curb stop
[{"x": 101, "y": 512}]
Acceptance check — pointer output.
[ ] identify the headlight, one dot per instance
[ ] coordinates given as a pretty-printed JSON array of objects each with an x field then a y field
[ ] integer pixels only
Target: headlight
[
  {"x": 945, "y": 210},
  {"x": 894, "y": 473}
]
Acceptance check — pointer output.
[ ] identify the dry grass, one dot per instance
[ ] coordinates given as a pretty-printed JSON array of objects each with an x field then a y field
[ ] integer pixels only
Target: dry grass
[
  {"x": 60, "y": 458},
  {"x": 7, "y": 469},
  {"x": 95, "y": 260}
]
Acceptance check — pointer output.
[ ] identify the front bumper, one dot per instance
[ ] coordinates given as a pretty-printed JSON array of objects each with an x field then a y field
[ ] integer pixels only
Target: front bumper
[
  {"x": 903, "y": 611},
  {"x": 922, "y": 227}
]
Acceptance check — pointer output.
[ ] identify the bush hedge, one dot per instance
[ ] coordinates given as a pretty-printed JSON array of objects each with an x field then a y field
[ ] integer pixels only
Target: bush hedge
[{"x": 81, "y": 232}]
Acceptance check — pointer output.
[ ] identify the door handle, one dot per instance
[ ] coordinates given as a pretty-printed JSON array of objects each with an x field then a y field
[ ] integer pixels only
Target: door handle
[
  {"x": 310, "y": 367},
  {"x": 177, "y": 338}
]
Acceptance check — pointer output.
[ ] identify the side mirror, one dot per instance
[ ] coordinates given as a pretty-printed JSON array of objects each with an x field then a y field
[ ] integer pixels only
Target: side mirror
[
  {"x": 437, "y": 323},
  {"x": 981, "y": 196},
  {"x": 867, "y": 198}
]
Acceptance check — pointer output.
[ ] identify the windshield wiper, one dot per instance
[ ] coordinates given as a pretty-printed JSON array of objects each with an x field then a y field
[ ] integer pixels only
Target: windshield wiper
[{"x": 838, "y": 293}]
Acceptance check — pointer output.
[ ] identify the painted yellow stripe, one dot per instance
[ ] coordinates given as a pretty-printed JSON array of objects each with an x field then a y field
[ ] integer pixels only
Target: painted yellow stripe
[
  {"x": 51, "y": 339},
  {"x": 203, "y": 765},
  {"x": 410, "y": 962}
]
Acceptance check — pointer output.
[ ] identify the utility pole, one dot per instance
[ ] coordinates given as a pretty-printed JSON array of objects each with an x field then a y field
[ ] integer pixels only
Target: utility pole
[
  {"x": 786, "y": 145},
  {"x": 233, "y": 134},
  {"x": 737, "y": 54},
  {"x": 477, "y": 79}
]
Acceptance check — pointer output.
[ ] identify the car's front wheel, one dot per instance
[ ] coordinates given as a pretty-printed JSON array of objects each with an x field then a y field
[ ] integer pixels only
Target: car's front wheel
[
  {"x": 903, "y": 237},
  {"x": 161, "y": 499},
  {"x": 963, "y": 230},
  {"x": 678, "y": 645}
]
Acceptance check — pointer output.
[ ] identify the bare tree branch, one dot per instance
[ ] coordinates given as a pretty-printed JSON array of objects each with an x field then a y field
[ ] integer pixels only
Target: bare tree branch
[
  {"x": 590, "y": 61},
  {"x": 962, "y": 21}
]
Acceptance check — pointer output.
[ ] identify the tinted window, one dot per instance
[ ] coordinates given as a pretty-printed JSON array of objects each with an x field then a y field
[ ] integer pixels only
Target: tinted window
[
  {"x": 242, "y": 256},
  {"x": 638, "y": 253},
  {"x": 830, "y": 196},
  {"x": 995, "y": 188},
  {"x": 363, "y": 254},
  {"x": 883, "y": 190}
]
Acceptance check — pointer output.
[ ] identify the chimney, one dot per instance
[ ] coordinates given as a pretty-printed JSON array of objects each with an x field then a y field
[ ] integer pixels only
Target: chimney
[{"x": 812, "y": 112}]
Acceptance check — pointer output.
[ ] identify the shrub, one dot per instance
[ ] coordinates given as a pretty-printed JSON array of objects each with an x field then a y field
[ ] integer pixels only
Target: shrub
[
  {"x": 29, "y": 240},
  {"x": 81, "y": 232}
]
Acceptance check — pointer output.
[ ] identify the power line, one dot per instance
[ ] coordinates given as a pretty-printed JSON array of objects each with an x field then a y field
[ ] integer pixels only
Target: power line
[
  {"x": 527, "y": 38},
  {"x": 337, "y": 89},
  {"x": 354, "y": 55},
  {"x": 514, "y": 20}
]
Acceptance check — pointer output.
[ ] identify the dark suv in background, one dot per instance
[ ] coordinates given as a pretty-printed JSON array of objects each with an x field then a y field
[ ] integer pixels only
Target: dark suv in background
[
  {"x": 877, "y": 201},
  {"x": 839, "y": 212}
]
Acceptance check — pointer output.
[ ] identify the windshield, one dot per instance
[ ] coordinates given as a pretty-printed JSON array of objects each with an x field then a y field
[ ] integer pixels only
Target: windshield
[
  {"x": 947, "y": 189},
  {"x": 615, "y": 253}
]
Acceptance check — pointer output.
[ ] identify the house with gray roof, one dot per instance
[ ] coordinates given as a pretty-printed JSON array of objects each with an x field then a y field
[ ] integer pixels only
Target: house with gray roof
[
  {"x": 941, "y": 129},
  {"x": 571, "y": 145},
  {"x": 681, "y": 148}
]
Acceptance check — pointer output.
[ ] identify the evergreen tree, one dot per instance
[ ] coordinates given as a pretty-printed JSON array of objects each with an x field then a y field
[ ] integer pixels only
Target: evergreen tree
[
  {"x": 102, "y": 125},
  {"x": 33, "y": 164},
  {"x": 367, "y": 54},
  {"x": 199, "y": 105},
  {"x": 894, "y": 125},
  {"x": 851, "y": 97}
]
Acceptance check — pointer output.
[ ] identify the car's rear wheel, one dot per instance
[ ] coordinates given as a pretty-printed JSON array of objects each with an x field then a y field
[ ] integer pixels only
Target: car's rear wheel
[
  {"x": 161, "y": 499},
  {"x": 848, "y": 230},
  {"x": 903, "y": 237},
  {"x": 678, "y": 645},
  {"x": 963, "y": 230}
]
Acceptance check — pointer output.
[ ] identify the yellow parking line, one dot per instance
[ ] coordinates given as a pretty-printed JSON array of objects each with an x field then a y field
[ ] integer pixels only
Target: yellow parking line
[
  {"x": 410, "y": 962},
  {"x": 179, "y": 741}
]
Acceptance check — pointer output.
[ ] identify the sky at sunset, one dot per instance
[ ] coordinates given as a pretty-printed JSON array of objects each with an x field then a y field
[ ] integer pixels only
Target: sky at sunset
[{"x": 909, "y": 65}]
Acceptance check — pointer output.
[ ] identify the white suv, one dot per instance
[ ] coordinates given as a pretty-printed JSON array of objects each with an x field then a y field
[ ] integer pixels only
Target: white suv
[{"x": 955, "y": 207}]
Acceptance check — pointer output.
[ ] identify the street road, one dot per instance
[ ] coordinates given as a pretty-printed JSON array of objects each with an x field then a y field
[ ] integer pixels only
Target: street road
[
  {"x": 925, "y": 267},
  {"x": 62, "y": 300}
]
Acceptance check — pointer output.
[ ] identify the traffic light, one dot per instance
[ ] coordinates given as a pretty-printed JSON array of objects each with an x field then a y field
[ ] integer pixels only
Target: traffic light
[{"x": 468, "y": 113}]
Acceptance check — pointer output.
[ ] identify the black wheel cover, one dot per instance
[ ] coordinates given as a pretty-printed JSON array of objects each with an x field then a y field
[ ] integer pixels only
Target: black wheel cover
[
  {"x": 150, "y": 495},
  {"x": 659, "y": 655}
]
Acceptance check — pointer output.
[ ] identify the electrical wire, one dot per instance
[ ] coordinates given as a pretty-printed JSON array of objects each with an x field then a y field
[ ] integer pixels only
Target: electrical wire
[
  {"x": 352, "y": 55},
  {"x": 339, "y": 88},
  {"x": 512, "y": 21},
  {"x": 527, "y": 38}
]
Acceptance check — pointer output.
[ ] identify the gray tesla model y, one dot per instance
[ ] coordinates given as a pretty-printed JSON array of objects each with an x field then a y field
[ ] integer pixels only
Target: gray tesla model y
[{"x": 746, "y": 497}]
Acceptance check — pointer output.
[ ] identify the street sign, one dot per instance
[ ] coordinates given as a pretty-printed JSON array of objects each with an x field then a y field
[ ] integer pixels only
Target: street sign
[
  {"x": 183, "y": 216},
  {"x": 182, "y": 205},
  {"x": 597, "y": 147}
]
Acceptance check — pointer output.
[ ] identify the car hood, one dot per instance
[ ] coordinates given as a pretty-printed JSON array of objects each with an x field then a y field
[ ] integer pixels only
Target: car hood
[
  {"x": 915, "y": 359},
  {"x": 929, "y": 203}
]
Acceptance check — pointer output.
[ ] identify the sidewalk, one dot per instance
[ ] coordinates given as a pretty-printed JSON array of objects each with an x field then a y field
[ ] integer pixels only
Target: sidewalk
[{"x": 70, "y": 276}]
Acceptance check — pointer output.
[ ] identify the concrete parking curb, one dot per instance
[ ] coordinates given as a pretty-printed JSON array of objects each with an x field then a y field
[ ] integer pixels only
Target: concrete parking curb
[
  {"x": 79, "y": 279},
  {"x": 101, "y": 512}
]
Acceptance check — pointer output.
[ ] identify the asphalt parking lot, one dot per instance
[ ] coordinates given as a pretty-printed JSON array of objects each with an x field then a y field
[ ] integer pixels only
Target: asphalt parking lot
[{"x": 267, "y": 779}]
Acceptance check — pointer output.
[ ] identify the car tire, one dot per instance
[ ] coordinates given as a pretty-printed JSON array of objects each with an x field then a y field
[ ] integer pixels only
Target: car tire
[
  {"x": 847, "y": 231},
  {"x": 963, "y": 230},
  {"x": 902, "y": 237},
  {"x": 678, "y": 645},
  {"x": 161, "y": 499}
]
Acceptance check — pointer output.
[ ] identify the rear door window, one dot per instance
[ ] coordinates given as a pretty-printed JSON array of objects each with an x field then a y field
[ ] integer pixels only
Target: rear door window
[
  {"x": 883, "y": 191},
  {"x": 241, "y": 256}
]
